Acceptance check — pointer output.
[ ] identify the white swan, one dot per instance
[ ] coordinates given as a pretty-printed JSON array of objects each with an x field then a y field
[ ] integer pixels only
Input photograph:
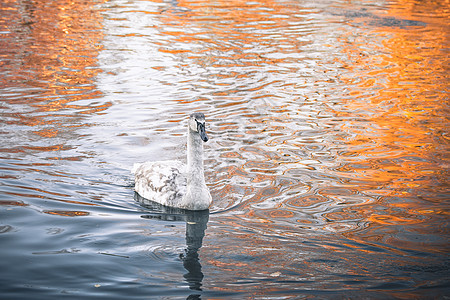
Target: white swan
[{"x": 171, "y": 183}]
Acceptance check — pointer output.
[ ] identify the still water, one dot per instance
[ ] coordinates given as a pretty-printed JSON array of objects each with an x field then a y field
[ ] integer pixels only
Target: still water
[{"x": 327, "y": 160}]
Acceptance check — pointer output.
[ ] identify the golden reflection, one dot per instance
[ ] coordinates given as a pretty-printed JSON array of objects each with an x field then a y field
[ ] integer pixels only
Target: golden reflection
[
  {"x": 281, "y": 213},
  {"x": 230, "y": 42},
  {"x": 67, "y": 213},
  {"x": 12, "y": 203},
  {"x": 400, "y": 96},
  {"x": 404, "y": 91},
  {"x": 308, "y": 201},
  {"x": 49, "y": 133},
  {"x": 51, "y": 50}
]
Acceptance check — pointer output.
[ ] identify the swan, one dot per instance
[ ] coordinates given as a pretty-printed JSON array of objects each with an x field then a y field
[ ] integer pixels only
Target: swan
[{"x": 173, "y": 184}]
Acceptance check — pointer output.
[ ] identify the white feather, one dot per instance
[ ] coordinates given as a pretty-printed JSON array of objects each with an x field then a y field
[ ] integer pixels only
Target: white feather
[{"x": 163, "y": 182}]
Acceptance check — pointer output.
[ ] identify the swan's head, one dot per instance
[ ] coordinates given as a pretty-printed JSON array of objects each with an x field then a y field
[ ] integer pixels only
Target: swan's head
[{"x": 197, "y": 124}]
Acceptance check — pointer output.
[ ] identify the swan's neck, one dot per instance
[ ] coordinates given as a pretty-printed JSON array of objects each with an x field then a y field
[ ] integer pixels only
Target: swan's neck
[
  {"x": 197, "y": 195},
  {"x": 195, "y": 170}
]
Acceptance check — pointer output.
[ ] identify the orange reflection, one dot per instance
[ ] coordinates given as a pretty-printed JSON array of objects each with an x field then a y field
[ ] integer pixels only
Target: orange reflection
[
  {"x": 226, "y": 30},
  {"x": 12, "y": 203},
  {"x": 405, "y": 91},
  {"x": 51, "y": 50},
  {"x": 67, "y": 213},
  {"x": 399, "y": 142}
]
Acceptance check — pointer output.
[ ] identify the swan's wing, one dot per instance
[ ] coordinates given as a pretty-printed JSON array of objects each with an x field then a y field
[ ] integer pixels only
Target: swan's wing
[{"x": 163, "y": 182}]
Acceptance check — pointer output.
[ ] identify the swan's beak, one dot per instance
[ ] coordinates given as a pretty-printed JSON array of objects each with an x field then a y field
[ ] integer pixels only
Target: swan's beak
[{"x": 202, "y": 132}]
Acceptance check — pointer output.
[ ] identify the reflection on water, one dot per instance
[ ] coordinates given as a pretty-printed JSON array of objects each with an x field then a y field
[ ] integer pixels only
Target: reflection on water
[
  {"x": 196, "y": 223},
  {"x": 328, "y": 157}
]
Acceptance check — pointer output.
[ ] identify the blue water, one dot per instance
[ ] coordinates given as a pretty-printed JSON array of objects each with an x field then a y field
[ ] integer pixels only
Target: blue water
[{"x": 327, "y": 159}]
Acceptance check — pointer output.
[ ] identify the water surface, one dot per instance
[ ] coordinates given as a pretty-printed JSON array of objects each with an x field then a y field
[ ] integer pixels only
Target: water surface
[{"x": 327, "y": 160}]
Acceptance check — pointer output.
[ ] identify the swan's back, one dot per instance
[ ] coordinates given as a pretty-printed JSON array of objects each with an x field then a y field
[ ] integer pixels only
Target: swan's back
[{"x": 161, "y": 181}]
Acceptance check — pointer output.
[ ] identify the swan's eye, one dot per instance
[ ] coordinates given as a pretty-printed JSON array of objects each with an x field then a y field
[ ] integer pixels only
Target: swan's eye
[{"x": 199, "y": 123}]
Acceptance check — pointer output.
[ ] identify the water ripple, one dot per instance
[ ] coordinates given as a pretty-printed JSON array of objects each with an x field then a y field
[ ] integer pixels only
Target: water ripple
[{"x": 326, "y": 160}]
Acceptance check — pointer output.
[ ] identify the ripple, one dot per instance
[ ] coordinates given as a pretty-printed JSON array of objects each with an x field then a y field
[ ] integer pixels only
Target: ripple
[
  {"x": 6, "y": 228},
  {"x": 281, "y": 214},
  {"x": 165, "y": 252},
  {"x": 309, "y": 201},
  {"x": 327, "y": 153}
]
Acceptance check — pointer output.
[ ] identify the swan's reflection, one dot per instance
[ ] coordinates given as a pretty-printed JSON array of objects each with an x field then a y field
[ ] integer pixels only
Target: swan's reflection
[
  {"x": 196, "y": 223},
  {"x": 195, "y": 231}
]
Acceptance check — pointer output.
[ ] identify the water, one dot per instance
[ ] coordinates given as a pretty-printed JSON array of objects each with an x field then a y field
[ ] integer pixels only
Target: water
[{"x": 327, "y": 159}]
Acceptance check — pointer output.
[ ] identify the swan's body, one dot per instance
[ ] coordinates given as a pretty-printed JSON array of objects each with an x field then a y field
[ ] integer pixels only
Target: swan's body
[{"x": 171, "y": 183}]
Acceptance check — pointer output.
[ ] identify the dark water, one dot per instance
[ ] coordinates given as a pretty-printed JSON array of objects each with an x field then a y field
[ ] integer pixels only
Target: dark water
[{"x": 327, "y": 160}]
